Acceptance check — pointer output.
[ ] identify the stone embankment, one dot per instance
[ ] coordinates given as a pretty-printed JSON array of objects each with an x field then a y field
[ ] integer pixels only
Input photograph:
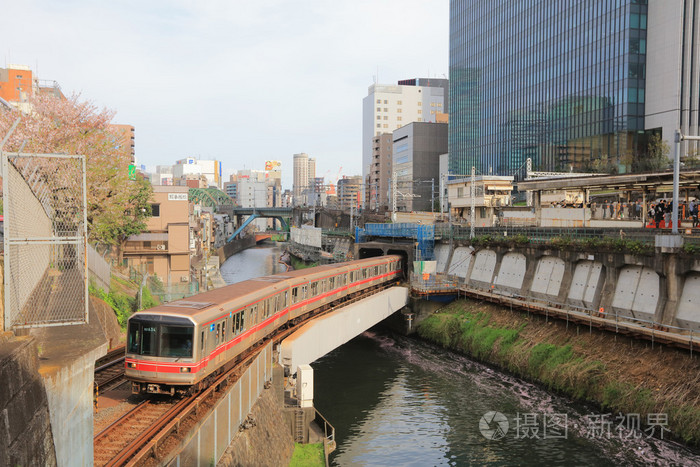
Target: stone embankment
[{"x": 619, "y": 374}]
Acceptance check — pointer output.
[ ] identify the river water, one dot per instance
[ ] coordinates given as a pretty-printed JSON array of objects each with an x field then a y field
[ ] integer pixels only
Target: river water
[{"x": 396, "y": 400}]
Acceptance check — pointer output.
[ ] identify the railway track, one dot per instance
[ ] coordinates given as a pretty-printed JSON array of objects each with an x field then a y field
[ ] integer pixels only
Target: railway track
[
  {"x": 109, "y": 370},
  {"x": 136, "y": 436}
]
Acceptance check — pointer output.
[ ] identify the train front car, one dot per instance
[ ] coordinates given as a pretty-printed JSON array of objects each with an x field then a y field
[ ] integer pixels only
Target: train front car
[{"x": 160, "y": 355}]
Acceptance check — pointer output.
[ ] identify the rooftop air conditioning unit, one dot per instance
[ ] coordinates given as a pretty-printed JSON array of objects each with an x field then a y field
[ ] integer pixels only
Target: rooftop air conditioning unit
[{"x": 160, "y": 247}]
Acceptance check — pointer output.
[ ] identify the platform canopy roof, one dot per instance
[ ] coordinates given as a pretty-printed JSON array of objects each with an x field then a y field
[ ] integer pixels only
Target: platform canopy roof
[{"x": 627, "y": 182}]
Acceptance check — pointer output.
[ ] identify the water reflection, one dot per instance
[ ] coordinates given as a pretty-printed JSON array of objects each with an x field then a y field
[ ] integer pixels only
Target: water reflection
[
  {"x": 253, "y": 262},
  {"x": 398, "y": 401}
]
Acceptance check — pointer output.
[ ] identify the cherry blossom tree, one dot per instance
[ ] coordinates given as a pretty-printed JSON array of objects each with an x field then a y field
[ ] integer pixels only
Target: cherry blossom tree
[{"x": 116, "y": 206}]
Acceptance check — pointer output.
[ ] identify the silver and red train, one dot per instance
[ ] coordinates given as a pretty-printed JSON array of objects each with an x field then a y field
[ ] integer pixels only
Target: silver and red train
[{"x": 179, "y": 345}]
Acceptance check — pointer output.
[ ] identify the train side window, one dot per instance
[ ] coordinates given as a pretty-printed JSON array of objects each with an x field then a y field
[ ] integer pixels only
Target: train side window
[
  {"x": 364, "y": 273},
  {"x": 314, "y": 285},
  {"x": 303, "y": 292},
  {"x": 352, "y": 276},
  {"x": 202, "y": 344},
  {"x": 223, "y": 331},
  {"x": 295, "y": 291},
  {"x": 286, "y": 298},
  {"x": 331, "y": 283},
  {"x": 218, "y": 330},
  {"x": 242, "y": 322}
]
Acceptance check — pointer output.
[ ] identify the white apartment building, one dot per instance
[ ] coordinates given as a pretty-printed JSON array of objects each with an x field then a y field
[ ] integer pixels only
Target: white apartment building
[{"x": 388, "y": 107}]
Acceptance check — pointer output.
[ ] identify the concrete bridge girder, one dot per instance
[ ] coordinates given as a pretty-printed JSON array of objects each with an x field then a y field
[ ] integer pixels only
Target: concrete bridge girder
[{"x": 323, "y": 334}]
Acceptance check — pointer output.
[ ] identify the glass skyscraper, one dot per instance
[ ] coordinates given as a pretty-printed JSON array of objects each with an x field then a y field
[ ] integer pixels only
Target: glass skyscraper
[{"x": 559, "y": 82}]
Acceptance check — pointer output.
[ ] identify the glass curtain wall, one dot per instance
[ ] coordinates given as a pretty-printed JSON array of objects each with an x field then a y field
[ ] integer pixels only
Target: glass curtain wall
[{"x": 559, "y": 82}]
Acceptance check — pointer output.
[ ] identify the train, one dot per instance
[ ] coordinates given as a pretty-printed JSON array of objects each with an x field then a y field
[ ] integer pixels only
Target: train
[{"x": 178, "y": 347}]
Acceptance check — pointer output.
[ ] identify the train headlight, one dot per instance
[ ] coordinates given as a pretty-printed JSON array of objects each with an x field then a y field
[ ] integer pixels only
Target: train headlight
[
  {"x": 132, "y": 364},
  {"x": 185, "y": 369}
]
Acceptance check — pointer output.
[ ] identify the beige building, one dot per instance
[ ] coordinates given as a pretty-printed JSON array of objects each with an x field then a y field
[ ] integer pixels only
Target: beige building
[
  {"x": 164, "y": 250},
  {"x": 490, "y": 194}
]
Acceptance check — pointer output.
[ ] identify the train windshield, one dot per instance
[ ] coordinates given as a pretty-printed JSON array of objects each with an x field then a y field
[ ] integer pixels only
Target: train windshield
[{"x": 159, "y": 339}]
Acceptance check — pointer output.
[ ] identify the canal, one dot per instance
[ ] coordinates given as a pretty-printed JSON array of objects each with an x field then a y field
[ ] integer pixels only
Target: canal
[{"x": 396, "y": 400}]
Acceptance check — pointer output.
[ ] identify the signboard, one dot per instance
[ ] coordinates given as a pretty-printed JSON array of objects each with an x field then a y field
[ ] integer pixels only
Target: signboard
[
  {"x": 132, "y": 172},
  {"x": 272, "y": 165},
  {"x": 177, "y": 196}
]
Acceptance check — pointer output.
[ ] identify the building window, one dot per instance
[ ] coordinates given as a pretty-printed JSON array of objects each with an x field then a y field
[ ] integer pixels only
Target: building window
[
  {"x": 420, "y": 111},
  {"x": 385, "y": 109},
  {"x": 432, "y": 112},
  {"x": 379, "y": 101},
  {"x": 379, "y": 117},
  {"x": 386, "y": 126},
  {"x": 420, "y": 103},
  {"x": 398, "y": 111},
  {"x": 432, "y": 104},
  {"x": 155, "y": 210},
  {"x": 398, "y": 102},
  {"x": 419, "y": 119},
  {"x": 386, "y": 101},
  {"x": 439, "y": 104},
  {"x": 379, "y": 109},
  {"x": 460, "y": 192},
  {"x": 398, "y": 119},
  {"x": 379, "y": 125},
  {"x": 386, "y": 118}
]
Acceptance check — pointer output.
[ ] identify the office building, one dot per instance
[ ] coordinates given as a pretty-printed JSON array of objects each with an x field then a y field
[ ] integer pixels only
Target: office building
[
  {"x": 387, "y": 108},
  {"x": 579, "y": 85},
  {"x": 416, "y": 160},
  {"x": 348, "y": 191}
]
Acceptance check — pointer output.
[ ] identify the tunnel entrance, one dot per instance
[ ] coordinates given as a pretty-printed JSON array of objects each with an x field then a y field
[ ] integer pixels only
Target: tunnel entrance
[{"x": 370, "y": 252}]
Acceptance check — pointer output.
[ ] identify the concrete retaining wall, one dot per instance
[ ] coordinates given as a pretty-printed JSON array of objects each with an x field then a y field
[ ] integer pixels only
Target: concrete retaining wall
[
  {"x": 461, "y": 262},
  {"x": 511, "y": 272},
  {"x": 309, "y": 236},
  {"x": 25, "y": 426},
  {"x": 586, "y": 284},
  {"x": 442, "y": 256},
  {"x": 663, "y": 289}
]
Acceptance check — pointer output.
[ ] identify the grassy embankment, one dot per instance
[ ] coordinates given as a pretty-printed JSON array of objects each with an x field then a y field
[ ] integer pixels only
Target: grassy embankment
[
  {"x": 308, "y": 455},
  {"x": 123, "y": 298},
  {"x": 614, "y": 372},
  {"x": 300, "y": 264}
]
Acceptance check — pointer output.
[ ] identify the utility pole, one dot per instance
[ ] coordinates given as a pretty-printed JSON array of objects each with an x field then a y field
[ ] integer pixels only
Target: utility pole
[
  {"x": 394, "y": 187},
  {"x": 676, "y": 174},
  {"x": 472, "y": 192}
]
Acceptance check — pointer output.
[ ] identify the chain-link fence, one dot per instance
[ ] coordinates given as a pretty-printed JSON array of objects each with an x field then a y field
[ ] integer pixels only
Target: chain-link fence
[{"x": 45, "y": 240}]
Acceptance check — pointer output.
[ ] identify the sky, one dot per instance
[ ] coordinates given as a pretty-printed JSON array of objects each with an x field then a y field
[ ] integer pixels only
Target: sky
[{"x": 237, "y": 81}]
